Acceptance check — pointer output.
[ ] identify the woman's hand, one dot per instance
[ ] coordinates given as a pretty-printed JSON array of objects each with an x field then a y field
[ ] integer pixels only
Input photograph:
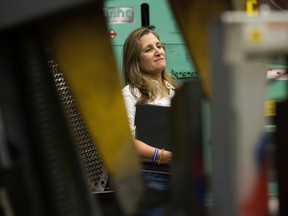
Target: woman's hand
[
  {"x": 146, "y": 153},
  {"x": 164, "y": 157}
]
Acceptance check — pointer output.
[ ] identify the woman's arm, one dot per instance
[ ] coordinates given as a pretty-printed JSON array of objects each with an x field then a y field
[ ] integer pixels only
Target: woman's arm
[{"x": 146, "y": 152}]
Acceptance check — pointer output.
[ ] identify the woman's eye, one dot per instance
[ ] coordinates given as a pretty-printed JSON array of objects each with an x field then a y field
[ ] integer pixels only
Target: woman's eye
[{"x": 148, "y": 50}]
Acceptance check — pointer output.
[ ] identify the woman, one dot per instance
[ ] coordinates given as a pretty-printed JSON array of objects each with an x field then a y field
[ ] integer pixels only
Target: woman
[{"x": 147, "y": 82}]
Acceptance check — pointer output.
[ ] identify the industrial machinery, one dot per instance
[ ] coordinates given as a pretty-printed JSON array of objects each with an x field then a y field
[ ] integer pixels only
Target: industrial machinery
[{"x": 59, "y": 107}]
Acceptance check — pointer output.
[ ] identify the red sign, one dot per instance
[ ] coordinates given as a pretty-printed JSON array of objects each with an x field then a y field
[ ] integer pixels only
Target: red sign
[{"x": 112, "y": 34}]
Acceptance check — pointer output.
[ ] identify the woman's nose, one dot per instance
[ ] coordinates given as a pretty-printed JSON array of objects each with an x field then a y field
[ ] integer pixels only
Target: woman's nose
[{"x": 157, "y": 51}]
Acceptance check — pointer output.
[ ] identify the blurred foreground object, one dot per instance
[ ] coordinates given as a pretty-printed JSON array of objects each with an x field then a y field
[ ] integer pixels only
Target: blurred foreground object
[
  {"x": 40, "y": 170},
  {"x": 241, "y": 47},
  {"x": 82, "y": 48},
  {"x": 188, "y": 176},
  {"x": 194, "y": 18}
]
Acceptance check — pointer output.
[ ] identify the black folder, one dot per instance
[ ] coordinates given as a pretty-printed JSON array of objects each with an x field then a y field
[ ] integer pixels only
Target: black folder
[{"x": 153, "y": 127}]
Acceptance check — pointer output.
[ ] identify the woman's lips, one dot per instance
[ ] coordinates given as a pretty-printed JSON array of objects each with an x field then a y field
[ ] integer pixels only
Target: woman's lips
[{"x": 159, "y": 59}]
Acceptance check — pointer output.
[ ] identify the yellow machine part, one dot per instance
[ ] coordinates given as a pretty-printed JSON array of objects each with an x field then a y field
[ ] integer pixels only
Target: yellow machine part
[
  {"x": 82, "y": 48},
  {"x": 194, "y": 18},
  {"x": 252, "y": 7}
]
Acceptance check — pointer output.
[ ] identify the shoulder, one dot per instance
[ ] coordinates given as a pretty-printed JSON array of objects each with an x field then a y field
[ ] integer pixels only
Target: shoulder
[
  {"x": 127, "y": 90},
  {"x": 168, "y": 84}
]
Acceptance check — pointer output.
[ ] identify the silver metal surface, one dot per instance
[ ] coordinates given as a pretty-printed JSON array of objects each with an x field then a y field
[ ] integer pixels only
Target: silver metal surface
[{"x": 90, "y": 159}]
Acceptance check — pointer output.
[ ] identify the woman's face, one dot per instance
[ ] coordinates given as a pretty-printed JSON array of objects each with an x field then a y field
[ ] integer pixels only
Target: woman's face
[{"x": 152, "y": 59}]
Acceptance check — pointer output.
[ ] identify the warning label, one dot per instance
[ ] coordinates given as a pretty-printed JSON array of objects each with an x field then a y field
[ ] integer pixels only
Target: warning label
[{"x": 277, "y": 73}]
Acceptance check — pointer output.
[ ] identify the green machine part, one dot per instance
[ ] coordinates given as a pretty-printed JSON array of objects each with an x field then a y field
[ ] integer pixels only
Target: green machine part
[{"x": 124, "y": 16}]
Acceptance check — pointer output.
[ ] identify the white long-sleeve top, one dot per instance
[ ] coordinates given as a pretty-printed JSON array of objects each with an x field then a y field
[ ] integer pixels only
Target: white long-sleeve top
[{"x": 130, "y": 102}]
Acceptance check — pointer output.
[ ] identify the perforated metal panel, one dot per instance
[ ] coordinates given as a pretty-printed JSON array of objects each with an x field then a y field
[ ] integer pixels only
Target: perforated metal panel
[{"x": 90, "y": 159}]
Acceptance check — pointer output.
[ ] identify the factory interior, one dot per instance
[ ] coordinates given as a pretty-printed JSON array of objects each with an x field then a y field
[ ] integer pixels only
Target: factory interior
[{"x": 65, "y": 143}]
